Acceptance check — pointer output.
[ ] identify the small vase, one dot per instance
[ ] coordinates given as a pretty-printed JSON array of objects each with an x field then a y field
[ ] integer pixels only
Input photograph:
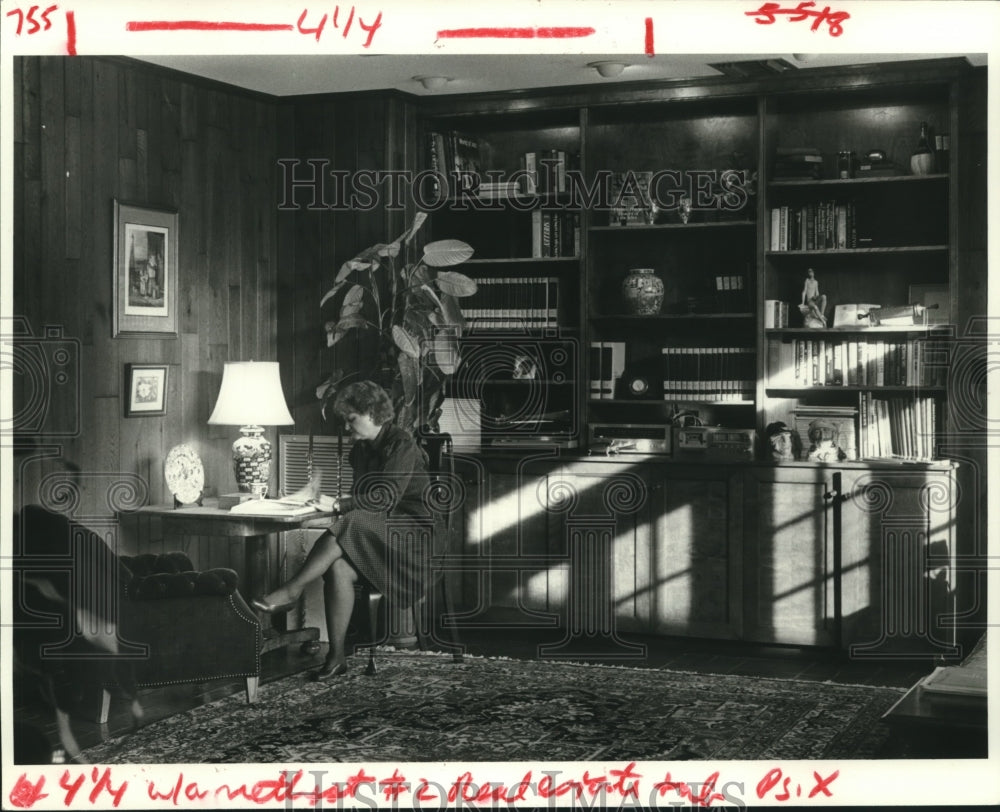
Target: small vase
[{"x": 642, "y": 292}]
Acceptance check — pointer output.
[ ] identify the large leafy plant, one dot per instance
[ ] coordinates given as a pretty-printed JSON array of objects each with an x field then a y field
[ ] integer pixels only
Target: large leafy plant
[{"x": 402, "y": 322}]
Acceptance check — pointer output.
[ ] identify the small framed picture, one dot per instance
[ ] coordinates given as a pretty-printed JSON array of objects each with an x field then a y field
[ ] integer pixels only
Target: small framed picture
[
  {"x": 145, "y": 272},
  {"x": 145, "y": 390},
  {"x": 937, "y": 300}
]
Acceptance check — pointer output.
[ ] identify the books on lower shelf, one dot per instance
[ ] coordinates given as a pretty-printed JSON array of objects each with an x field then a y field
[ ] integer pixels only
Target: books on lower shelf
[
  {"x": 513, "y": 302},
  {"x": 721, "y": 374},
  {"x": 555, "y": 233},
  {"x": 607, "y": 365},
  {"x": 863, "y": 361},
  {"x": 898, "y": 427}
]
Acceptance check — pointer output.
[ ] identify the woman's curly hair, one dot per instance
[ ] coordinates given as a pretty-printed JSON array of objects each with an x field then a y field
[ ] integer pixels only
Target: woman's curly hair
[{"x": 364, "y": 397}]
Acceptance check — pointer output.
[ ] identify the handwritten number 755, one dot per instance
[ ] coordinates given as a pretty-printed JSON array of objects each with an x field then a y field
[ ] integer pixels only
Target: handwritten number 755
[{"x": 32, "y": 19}]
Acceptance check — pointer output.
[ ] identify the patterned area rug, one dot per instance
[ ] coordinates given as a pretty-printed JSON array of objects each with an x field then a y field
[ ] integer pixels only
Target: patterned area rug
[{"x": 425, "y": 707}]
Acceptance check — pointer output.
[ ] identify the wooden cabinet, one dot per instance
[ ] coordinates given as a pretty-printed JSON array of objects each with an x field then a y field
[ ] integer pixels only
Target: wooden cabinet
[
  {"x": 896, "y": 561},
  {"x": 789, "y": 555},
  {"x": 860, "y": 557},
  {"x": 606, "y": 546},
  {"x": 856, "y": 557},
  {"x": 697, "y": 548}
]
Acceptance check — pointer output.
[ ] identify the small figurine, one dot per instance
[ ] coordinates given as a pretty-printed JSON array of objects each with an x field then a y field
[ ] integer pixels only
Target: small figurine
[
  {"x": 824, "y": 437},
  {"x": 780, "y": 438},
  {"x": 813, "y": 307}
]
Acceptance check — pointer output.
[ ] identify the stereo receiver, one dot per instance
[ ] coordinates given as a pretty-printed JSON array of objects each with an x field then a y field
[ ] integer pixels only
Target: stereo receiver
[
  {"x": 714, "y": 442},
  {"x": 629, "y": 438}
]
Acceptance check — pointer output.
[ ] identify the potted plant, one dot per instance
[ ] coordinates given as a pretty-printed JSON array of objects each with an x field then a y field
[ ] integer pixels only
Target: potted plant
[{"x": 398, "y": 324}]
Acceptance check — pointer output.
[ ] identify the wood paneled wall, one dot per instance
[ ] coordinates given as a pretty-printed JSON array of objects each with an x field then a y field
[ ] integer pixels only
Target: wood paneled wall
[
  {"x": 88, "y": 131},
  {"x": 352, "y": 133}
]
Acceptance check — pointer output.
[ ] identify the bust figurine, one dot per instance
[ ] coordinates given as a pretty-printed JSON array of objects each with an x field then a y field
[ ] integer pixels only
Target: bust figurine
[
  {"x": 813, "y": 307},
  {"x": 780, "y": 438},
  {"x": 824, "y": 437}
]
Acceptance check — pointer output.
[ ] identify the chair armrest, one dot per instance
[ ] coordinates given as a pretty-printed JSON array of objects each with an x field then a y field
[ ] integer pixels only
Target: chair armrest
[{"x": 218, "y": 581}]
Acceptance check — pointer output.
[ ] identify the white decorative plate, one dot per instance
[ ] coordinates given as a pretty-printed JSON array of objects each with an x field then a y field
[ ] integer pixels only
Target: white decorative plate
[{"x": 184, "y": 474}]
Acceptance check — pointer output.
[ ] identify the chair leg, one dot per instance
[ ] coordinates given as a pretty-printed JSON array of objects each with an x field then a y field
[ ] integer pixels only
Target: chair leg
[
  {"x": 252, "y": 684},
  {"x": 425, "y": 619},
  {"x": 456, "y": 643},
  {"x": 374, "y": 601},
  {"x": 104, "y": 710}
]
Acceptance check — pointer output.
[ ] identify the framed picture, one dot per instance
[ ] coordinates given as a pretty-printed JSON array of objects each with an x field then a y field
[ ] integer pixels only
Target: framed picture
[
  {"x": 145, "y": 390},
  {"x": 936, "y": 297},
  {"x": 145, "y": 272}
]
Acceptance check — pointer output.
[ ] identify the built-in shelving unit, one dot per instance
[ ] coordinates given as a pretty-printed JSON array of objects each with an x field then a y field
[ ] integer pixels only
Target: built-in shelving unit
[
  {"x": 805, "y": 551},
  {"x": 722, "y": 262}
]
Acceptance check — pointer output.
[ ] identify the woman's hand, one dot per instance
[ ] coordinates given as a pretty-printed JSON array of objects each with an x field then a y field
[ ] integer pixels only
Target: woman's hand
[{"x": 328, "y": 504}]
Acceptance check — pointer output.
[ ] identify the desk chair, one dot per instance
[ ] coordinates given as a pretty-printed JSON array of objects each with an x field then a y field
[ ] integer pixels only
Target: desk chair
[{"x": 441, "y": 469}]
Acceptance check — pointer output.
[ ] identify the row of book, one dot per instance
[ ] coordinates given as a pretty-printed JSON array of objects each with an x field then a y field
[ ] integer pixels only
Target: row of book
[
  {"x": 724, "y": 374},
  {"x": 901, "y": 428},
  {"x": 815, "y": 226},
  {"x": 555, "y": 233},
  {"x": 513, "y": 302},
  {"x": 545, "y": 171},
  {"x": 775, "y": 314},
  {"x": 859, "y": 362},
  {"x": 731, "y": 294},
  {"x": 455, "y": 152},
  {"x": 607, "y": 365}
]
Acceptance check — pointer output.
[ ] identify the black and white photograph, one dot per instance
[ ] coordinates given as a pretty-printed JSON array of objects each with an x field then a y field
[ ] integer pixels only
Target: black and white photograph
[
  {"x": 145, "y": 270},
  {"x": 570, "y": 405}
]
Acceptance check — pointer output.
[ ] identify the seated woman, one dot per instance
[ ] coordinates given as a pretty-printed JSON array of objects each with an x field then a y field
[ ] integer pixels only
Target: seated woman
[{"x": 386, "y": 461}]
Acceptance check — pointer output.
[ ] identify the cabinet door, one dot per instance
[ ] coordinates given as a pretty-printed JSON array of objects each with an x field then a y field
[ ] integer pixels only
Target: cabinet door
[
  {"x": 789, "y": 556},
  {"x": 697, "y": 529},
  {"x": 599, "y": 532},
  {"x": 897, "y": 563},
  {"x": 508, "y": 561}
]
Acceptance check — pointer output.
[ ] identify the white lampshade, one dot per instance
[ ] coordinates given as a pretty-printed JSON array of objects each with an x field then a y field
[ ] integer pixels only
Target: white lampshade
[{"x": 251, "y": 396}]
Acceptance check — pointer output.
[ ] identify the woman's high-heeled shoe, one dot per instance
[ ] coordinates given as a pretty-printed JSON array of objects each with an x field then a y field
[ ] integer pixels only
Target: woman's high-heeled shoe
[
  {"x": 271, "y": 608},
  {"x": 330, "y": 670}
]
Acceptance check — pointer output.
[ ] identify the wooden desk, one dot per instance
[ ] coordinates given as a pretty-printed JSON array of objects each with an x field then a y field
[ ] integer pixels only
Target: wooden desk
[{"x": 209, "y": 520}]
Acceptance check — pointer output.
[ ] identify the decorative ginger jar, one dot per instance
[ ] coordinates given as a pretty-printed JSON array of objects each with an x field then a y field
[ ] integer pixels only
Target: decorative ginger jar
[{"x": 642, "y": 292}]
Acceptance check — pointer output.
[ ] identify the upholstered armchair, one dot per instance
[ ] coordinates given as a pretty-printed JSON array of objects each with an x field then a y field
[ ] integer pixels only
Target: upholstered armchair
[
  {"x": 86, "y": 619},
  {"x": 194, "y": 625}
]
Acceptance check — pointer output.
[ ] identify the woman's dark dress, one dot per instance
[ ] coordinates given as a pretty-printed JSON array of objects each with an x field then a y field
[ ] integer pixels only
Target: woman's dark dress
[{"x": 390, "y": 477}]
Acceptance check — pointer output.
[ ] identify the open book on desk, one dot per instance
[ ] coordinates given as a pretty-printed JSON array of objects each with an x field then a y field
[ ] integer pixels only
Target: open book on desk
[{"x": 282, "y": 507}]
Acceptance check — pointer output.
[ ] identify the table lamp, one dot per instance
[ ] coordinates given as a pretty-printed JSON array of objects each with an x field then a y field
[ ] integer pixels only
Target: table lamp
[{"x": 250, "y": 397}]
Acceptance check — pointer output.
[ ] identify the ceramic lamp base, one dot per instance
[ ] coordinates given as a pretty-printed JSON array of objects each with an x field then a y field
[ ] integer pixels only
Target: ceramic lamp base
[{"x": 251, "y": 458}]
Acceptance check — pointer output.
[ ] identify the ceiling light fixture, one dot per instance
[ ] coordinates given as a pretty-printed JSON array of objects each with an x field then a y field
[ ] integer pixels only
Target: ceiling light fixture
[
  {"x": 608, "y": 69},
  {"x": 803, "y": 57},
  {"x": 432, "y": 82}
]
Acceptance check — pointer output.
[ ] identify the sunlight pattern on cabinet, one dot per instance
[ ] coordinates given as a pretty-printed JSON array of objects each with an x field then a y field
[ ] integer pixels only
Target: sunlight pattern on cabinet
[{"x": 673, "y": 564}]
